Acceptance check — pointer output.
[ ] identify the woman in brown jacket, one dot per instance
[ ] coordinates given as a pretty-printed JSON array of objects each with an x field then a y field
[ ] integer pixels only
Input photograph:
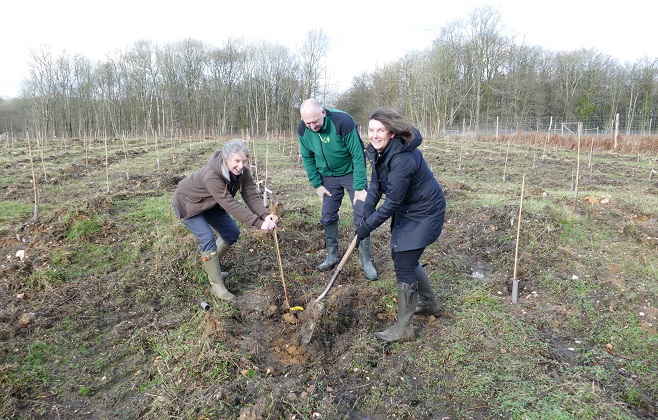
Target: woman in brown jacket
[{"x": 206, "y": 199}]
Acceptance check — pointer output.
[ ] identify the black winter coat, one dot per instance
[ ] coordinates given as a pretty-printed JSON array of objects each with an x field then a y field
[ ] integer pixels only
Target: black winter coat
[{"x": 414, "y": 199}]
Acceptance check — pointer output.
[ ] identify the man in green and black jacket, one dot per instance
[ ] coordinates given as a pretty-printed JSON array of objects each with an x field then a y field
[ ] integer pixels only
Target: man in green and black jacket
[{"x": 332, "y": 154}]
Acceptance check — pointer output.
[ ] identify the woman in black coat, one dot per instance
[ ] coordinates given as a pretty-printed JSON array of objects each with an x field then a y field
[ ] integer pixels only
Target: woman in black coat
[{"x": 416, "y": 205}]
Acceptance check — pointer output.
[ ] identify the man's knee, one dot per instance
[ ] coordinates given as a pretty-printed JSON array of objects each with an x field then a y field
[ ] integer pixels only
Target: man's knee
[{"x": 329, "y": 219}]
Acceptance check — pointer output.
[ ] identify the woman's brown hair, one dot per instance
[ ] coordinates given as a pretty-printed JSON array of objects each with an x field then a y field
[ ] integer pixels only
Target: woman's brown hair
[{"x": 394, "y": 123}]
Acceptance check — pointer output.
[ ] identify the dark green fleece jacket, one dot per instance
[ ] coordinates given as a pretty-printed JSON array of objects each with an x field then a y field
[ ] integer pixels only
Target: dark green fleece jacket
[{"x": 334, "y": 150}]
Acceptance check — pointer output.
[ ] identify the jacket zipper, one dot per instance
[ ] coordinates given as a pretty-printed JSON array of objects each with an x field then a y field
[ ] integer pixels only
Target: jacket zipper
[{"x": 323, "y": 155}]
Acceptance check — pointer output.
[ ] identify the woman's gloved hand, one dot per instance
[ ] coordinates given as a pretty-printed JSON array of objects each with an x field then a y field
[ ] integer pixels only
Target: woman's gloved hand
[
  {"x": 269, "y": 223},
  {"x": 361, "y": 233}
]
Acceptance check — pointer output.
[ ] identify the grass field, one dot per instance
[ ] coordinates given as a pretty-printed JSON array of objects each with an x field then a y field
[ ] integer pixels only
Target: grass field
[{"x": 100, "y": 312}]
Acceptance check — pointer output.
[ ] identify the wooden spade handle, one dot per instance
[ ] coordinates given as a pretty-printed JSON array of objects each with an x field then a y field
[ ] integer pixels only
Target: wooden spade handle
[{"x": 341, "y": 264}]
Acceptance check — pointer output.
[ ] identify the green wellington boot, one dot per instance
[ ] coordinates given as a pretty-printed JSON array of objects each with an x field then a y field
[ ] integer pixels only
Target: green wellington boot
[
  {"x": 403, "y": 330},
  {"x": 222, "y": 247},
  {"x": 210, "y": 263},
  {"x": 427, "y": 303},
  {"x": 331, "y": 241},
  {"x": 364, "y": 259}
]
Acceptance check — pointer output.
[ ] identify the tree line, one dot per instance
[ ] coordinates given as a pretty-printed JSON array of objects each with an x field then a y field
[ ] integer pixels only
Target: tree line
[{"x": 474, "y": 77}]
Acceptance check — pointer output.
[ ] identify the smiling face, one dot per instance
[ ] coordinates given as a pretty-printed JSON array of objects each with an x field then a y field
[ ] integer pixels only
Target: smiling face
[
  {"x": 379, "y": 135},
  {"x": 236, "y": 163}
]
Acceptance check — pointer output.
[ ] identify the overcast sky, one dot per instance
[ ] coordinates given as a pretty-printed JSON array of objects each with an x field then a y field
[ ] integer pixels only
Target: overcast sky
[{"x": 363, "y": 34}]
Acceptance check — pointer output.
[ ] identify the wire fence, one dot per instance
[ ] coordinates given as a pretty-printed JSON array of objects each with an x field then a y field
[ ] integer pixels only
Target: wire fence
[{"x": 598, "y": 126}]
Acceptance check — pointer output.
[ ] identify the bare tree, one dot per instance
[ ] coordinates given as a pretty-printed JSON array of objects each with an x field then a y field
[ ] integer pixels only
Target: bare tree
[
  {"x": 312, "y": 53},
  {"x": 486, "y": 51},
  {"x": 359, "y": 100},
  {"x": 569, "y": 81},
  {"x": 643, "y": 80},
  {"x": 84, "y": 93},
  {"x": 226, "y": 68},
  {"x": 443, "y": 82},
  {"x": 273, "y": 64},
  {"x": 192, "y": 59},
  {"x": 522, "y": 91},
  {"x": 41, "y": 88},
  {"x": 139, "y": 67},
  {"x": 472, "y": 76}
]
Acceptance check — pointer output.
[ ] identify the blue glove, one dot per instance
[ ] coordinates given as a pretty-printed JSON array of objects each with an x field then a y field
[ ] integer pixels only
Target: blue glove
[{"x": 361, "y": 233}]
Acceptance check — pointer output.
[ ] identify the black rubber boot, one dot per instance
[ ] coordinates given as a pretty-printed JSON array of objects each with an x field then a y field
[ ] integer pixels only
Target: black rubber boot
[
  {"x": 427, "y": 303},
  {"x": 403, "y": 330},
  {"x": 364, "y": 261},
  {"x": 210, "y": 263},
  {"x": 331, "y": 241}
]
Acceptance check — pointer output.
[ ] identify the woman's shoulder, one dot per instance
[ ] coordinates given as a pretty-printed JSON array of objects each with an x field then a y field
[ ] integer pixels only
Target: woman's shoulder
[
  {"x": 402, "y": 155},
  {"x": 210, "y": 174},
  {"x": 398, "y": 145}
]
